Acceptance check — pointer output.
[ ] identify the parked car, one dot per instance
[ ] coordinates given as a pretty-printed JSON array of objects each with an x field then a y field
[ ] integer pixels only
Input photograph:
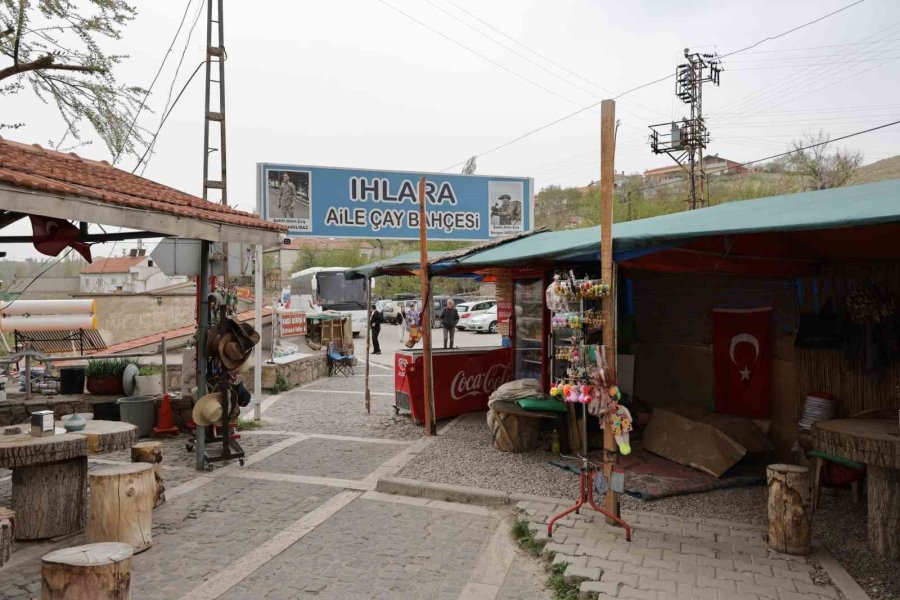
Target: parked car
[
  {"x": 472, "y": 309},
  {"x": 391, "y": 311},
  {"x": 486, "y": 322}
]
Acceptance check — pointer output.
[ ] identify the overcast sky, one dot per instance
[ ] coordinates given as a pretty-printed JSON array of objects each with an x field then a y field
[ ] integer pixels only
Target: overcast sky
[{"x": 354, "y": 83}]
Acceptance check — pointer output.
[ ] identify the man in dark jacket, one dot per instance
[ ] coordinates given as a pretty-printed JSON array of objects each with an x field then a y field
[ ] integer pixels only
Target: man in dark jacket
[
  {"x": 376, "y": 319},
  {"x": 449, "y": 319}
]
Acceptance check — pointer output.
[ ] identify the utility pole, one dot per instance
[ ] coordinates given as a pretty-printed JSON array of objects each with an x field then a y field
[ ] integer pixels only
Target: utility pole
[
  {"x": 687, "y": 139},
  {"x": 214, "y": 114}
]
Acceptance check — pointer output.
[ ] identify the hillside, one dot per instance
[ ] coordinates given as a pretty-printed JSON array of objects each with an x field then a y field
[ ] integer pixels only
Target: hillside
[{"x": 889, "y": 168}]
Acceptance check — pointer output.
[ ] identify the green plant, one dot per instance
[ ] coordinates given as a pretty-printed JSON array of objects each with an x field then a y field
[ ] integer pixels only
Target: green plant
[
  {"x": 147, "y": 370},
  {"x": 250, "y": 424},
  {"x": 562, "y": 589},
  {"x": 107, "y": 367},
  {"x": 281, "y": 384},
  {"x": 525, "y": 538}
]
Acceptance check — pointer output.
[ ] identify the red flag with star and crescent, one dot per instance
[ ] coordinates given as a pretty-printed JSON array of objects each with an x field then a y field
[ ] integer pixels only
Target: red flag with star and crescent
[{"x": 742, "y": 361}]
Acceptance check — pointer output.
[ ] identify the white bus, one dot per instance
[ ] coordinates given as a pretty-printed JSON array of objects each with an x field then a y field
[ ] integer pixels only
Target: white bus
[{"x": 318, "y": 289}]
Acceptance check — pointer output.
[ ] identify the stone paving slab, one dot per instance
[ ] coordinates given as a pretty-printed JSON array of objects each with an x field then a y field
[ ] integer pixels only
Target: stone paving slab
[
  {"x": 329, "y": 458},
  {"x": 375, "y": 549},
  {"x": 671, "y": 557}
]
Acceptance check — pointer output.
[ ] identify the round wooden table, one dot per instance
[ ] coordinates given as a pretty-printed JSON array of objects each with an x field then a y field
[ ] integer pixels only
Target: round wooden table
[
  {"x": 49, "y": 480},
  {"x": 877, "y": 444}
]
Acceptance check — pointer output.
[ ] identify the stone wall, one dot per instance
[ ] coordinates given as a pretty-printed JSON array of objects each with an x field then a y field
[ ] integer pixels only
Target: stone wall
[{"x": 122, "y": 317}]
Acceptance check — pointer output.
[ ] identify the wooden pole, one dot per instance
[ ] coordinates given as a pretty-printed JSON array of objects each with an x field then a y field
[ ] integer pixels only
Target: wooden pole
[
  {"x": 368, "y": 340},
  {"x": 425, "y": 316},
  {"x": 607, "y": 177}
]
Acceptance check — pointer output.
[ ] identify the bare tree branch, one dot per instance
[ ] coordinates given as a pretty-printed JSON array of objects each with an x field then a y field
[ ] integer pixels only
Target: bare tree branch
[{"x": 45, "y": 63}]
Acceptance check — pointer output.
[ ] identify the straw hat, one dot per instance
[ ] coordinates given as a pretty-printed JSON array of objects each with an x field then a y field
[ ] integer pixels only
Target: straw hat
[{"x": 208, "y": 410}]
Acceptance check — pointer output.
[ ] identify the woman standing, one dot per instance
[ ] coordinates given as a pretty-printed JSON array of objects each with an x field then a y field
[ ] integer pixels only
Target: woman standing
[{"x": 404, "y": 326}]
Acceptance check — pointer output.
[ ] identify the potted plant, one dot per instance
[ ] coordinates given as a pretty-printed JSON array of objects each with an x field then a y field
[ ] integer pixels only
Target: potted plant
[
  {"x": 149, "y": 380},
  {"x": 104, "y": 375}
]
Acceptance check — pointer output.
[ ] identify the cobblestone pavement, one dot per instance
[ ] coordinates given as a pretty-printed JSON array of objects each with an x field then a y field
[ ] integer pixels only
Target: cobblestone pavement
[
  {"x": 672, "y": 557},
  {"x": 297, "y": 521}
]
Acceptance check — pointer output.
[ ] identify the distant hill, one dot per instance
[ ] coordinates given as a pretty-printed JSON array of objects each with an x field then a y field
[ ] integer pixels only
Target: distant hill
[{"x": 889, "y": 168}]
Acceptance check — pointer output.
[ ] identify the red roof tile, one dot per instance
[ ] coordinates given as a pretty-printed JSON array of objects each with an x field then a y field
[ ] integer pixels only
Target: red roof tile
[
  {"x": 120, "y": 264},
  {"x": 39, "y": 169}
]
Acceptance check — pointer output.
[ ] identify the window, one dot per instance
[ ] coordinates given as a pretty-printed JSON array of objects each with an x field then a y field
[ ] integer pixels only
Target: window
[{"x": 150, "y": 262}]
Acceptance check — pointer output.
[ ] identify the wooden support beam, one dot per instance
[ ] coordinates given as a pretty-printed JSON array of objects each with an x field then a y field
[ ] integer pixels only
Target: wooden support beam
[
  {"x": 425, "y": 317},
  {"x": 607, "y": 274}
]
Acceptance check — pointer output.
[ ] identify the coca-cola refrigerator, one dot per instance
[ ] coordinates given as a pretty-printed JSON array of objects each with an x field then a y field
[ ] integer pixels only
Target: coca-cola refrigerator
[{"x": 464, "y": 378}]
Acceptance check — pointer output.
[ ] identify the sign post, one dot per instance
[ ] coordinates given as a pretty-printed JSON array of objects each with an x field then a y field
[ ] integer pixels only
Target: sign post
[
  {"x": 257, "y": 325},
  {"x": 425, "y": 316},
  {"x": 607, "y": 274}
]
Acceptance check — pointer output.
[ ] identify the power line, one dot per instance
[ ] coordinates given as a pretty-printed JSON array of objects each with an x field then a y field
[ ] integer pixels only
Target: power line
[
  {"x": 626, "y": 92},
  {"x": 152, "y": 83},
  {"x": 163, "y": 121},
  {"x": 798, "y": 28},
  {"x": 750, "y": 162}
]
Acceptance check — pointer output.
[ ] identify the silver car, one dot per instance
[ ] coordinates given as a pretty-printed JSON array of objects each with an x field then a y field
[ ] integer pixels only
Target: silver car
[
  {"x": 486, "y": 322},
  {"x": 472, "y": 310}
]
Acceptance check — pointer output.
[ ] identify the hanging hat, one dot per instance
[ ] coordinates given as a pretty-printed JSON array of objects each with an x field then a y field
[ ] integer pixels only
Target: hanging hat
[
  {"x": 231, "y": 353},
  {"x": 247, "y": 336},
  {"x": 213, "y": 337},
  {"x": 208, "y": 410}
]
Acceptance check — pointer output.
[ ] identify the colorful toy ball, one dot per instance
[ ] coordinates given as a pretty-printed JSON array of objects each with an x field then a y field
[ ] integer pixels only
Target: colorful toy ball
[
  {"x": 566, "y": 389},
  {"x": 555, "y": 391}
]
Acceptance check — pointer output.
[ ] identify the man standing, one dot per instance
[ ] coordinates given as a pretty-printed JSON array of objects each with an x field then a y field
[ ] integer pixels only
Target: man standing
[
  {"x": 376, "y": 319},
  {"x": 449, "y": 319},
  {"x": 404, "y": 326},
  {"x": 287, "y": 195}
]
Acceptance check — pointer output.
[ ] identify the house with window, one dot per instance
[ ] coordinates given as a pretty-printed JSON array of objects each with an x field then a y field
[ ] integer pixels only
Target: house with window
[{"x": 134, "y": 273}]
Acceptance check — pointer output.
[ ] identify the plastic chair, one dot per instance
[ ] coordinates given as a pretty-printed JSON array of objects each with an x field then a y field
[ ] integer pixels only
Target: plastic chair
[{"x": 338, "y": 362}]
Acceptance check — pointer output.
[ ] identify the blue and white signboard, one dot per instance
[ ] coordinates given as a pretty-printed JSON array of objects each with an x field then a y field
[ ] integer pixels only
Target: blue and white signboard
[{"x": 356, "y": 203}]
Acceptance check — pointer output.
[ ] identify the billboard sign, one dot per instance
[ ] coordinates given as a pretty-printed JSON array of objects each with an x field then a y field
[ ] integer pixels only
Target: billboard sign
[{"x": 356, "y": 203}]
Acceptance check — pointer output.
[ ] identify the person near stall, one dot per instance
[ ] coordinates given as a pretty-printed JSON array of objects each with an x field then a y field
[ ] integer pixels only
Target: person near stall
[
  {"x": 404, "y": 325},
  {"x": 375, "y": 321},
  {"x": 449, "y": 319}
]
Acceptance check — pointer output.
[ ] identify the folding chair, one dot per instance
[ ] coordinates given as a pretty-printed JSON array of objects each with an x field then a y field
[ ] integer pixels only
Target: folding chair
[{"x": 338, "y": 362}]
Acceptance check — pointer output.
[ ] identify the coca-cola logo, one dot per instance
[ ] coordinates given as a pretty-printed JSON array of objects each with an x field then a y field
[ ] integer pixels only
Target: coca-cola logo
[{"x": 465, "y": 385}]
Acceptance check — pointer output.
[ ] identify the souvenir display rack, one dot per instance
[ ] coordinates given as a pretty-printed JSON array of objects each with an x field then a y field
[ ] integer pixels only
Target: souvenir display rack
[{"x": 580, "y": 377}]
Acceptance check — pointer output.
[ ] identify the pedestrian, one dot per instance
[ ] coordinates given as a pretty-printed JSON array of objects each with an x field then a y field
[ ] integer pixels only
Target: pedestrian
[
  {"x": 412, "y": 323},
  {"x": 376, "y": 320},
  {"x": 287, "y": 195},
  {"x": 449, "y": 319},
  {"x": 404, "y": 326}
]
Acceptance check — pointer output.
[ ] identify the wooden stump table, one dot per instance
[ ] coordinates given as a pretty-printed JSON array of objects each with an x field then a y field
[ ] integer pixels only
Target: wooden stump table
[
  {"x": 49, "y": 482},
  {"x": 877, "y": 444},
  {"x": 107, "y": 436}
]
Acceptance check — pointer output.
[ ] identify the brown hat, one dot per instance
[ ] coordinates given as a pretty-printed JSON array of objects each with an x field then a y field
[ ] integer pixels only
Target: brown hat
[
  {"x": 231, "y": 353},
  {"x": 246, "y": 336},
  {"x": 208, "y": 410}
]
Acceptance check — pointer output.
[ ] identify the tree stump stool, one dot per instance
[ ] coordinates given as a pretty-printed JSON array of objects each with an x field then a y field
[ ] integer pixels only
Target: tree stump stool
[
  {"x": 121, "y": 507},
  {"x": 49, "y": 483},
  {"x": 151, "y": 452},
  {"x": 90, "y": 572},
  {"x": 789, "y": 495},
  {"x": 7, "y": 533}
]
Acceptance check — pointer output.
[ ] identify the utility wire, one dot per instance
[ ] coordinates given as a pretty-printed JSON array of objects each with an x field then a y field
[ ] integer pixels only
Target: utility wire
[
  {"x": 152, "y": 83},
  {"x": 163, "y": 121},
  {"x": 629, "y": 91},
  {"x": 750, "y": 162}
]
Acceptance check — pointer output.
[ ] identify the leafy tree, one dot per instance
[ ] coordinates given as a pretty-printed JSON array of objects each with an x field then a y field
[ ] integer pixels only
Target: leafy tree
[
  {"x": 53, "y": 47},
  {"x": 820, "y": 167},
  {"x": 470, "y": 166}
]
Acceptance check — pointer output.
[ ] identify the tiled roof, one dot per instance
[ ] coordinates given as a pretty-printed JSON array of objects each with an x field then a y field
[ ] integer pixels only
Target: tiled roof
[
  {"x": 39, "y": 169},
  {"x": 120, "y": 264}
]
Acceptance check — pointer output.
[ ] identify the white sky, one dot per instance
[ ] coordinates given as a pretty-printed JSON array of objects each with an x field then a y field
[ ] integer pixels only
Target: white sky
[{"x": 353, "y": 83}]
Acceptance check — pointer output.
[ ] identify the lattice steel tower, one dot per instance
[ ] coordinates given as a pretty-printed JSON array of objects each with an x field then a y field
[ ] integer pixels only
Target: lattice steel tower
[
  {"x": 215, "y": 110},
  {"x": 686, "y": 140}
]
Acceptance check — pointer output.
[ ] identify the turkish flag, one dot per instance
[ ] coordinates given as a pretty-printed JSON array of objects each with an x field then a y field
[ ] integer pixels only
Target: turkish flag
[
  {"x": 742, "y": 361},
  {"x": 52, "y": 235}
]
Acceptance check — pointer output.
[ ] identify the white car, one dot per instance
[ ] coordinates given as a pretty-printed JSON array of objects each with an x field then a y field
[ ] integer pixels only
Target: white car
[
  {"x": 486, "y": 322},
  {"x": 472, "y": 309}
]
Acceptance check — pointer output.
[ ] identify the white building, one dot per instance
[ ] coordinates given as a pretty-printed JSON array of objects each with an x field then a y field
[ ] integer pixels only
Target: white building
[{"x": 131, "y": 274}]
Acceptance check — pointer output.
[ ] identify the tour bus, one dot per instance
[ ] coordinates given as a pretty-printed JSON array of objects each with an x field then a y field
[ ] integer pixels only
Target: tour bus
[{"x": 318, "y": 289}]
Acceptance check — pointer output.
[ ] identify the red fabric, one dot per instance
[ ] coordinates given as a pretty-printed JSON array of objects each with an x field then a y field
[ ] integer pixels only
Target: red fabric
[
  {"x": 742, "y": 361},
  {"x": 52, "y": 235}
]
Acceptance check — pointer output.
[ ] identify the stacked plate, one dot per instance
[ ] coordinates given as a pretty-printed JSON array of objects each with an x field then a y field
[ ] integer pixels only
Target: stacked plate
[{"x": 817, "y": 407}]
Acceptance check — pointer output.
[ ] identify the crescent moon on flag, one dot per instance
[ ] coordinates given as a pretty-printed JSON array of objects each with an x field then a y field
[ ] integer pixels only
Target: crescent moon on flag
[{"x": 744, "y": 338}]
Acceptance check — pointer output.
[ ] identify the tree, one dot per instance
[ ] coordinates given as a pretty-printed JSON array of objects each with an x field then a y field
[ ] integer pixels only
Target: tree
[
  {"x": 470, "y": 166},
  {"x": 820, "y": 167},
  {"x": 53, "y": 48}
]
